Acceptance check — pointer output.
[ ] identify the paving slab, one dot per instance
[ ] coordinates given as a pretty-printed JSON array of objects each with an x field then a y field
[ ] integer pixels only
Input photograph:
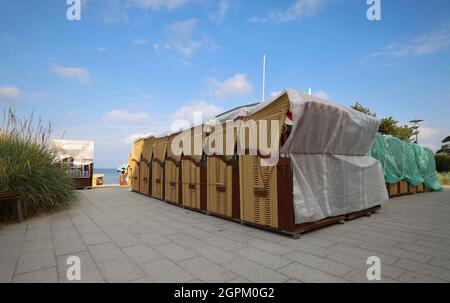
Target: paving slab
[
  {"x": 32, "y": 261},
  {"x": 206, "y": 271},
  {"x": 165, "y": 271},
  {"x": 48, "y": 275},
  {"x": 121, "y": 236}
]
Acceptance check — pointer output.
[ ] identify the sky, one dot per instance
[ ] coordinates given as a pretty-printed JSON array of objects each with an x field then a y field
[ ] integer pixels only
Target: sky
[{"x": 129, "y": 68}]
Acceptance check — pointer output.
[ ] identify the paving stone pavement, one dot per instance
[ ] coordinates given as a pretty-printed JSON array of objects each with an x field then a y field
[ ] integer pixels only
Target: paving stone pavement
[{"x": 121, "y": 236}]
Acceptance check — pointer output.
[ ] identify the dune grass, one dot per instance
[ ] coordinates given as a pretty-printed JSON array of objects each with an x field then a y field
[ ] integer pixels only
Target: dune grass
[{"x": 27, "y": 165}]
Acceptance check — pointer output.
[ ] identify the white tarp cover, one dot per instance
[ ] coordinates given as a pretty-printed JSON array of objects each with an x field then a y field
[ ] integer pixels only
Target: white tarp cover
[
  {"x": 329, "y": 146},
  {"x": 82, "y": 152},
  {"x": 241, "y": 111}
]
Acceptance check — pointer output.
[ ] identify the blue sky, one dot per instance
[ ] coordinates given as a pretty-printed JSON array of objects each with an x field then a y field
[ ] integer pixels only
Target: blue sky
[{"x": 131, "y": 67}]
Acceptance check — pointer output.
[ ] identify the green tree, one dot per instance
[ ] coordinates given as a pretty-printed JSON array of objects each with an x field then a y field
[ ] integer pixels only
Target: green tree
[
  {"x": 388, "y": 126},
  {"x": 357, "y": 106},
  {"x": 445, "y": 149}
]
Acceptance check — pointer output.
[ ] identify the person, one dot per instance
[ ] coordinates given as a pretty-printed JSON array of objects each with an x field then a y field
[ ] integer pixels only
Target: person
[{"x": 124, "y": 173}]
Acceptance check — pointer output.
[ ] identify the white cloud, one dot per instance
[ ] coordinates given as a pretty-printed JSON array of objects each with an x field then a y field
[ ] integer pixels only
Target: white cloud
[
  {"x": 78, "y": 74},
  {"x": 427, "y": 133},
  {"x": 237, "y": 86},
  {"x": 182, "y": 28},
  {"x": 102, "y": 49},
  {"x": 321, "y": 94},
  {"x": 422, "y": 45},
  {"x": 298, "y": 9},
  {"x": 140, "y": 41},
  {"x": 431, "y": 146},
  {"x": 10, "y": 93},
  {"x": 193, "y": 113},
  {"x": 181, "y": 37},
  {"x": 184, "y": 62},
  {"x": 157, "y": 125},
  {"x": 157, "y": 4},
  {"x": 187, "y": 48},
  {"x": 186, "y": 112},
  {"x": 222, "y": 9},
  {"x": 113, "y": 11},
  {"x": 431, "y": 137},
  {"x": 120, "y": 116}
]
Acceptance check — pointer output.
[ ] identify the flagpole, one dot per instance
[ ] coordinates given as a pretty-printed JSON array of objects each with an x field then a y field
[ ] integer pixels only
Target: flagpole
[{"x": 264, "y": 78}]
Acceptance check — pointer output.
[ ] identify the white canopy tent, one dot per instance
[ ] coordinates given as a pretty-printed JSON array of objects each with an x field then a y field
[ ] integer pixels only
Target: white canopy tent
[{"x": 82, "y": 152}]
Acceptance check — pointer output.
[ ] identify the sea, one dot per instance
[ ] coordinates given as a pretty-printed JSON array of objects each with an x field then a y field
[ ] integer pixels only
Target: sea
[{"x": 111, "y": 175}]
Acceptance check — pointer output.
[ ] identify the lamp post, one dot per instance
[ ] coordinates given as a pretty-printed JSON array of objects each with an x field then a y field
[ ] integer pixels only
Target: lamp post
[{"x": 415, "y": 128}]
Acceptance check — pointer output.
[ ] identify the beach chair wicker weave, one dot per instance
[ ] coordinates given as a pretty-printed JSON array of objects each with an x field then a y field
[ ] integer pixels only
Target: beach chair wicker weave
[
  {"x": 258, "y": 184},
  {"x": 144, "y": 166},
  {"x": 159, "y": 154},
  {"x": 222, "y": 174},
  {"x": 135, "y": 164},
  {"x": 194, "y": 172},
  {"x": 172, "y": 174}
]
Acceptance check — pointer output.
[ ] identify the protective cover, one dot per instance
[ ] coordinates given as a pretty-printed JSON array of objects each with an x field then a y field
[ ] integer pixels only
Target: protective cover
[
  {"x": 406, "y": 160},
  {"x": 82, "y": 152},
  {"x": 382, "y": 151},
  {"x": 426, "y": 164},
  {"x": 402, "y": 160},
  {"x": 329, "y": 146},
  {"x": 235, "y": 113}
]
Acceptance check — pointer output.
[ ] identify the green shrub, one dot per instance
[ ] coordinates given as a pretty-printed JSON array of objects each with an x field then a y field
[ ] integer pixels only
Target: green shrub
[
  {"x": 27, "y": 165},
  {"x": 442, "y": 162},
  {"x": 444, "y": 178}
]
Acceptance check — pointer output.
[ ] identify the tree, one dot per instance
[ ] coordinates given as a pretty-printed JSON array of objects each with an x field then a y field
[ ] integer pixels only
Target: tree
[
  {"x": 388, "y": 126},
  {"x": 363, "y": 109},
  {"x": 445, "y": 149}
]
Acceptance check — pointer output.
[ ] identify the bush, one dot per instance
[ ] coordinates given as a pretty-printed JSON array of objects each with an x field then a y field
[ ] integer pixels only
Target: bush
[
  {"x": 442, "y": 162},
  {"x": 27, "y": 165},
  {"x": 444, "y": 178}
]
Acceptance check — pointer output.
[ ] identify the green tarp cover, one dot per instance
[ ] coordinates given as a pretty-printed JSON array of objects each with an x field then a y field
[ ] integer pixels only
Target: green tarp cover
[
  {"x": 426, "y": 164},
  {"x": 402, "y": 160}
]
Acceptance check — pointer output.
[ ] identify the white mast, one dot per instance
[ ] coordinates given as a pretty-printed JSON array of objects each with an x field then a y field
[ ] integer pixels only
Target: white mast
[{"x": 264, "y": 78}]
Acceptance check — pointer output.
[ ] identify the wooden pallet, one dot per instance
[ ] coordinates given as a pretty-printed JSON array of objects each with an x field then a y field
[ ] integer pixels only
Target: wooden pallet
[{"x": 404, "y": 188}]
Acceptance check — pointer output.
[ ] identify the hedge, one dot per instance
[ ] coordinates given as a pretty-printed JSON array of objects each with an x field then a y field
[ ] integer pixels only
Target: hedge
[{"x": 442, "y": 163}]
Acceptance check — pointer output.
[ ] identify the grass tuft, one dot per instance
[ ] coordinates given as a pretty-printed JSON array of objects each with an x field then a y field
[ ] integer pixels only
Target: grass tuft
[{"x": 27, "y": 164}]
